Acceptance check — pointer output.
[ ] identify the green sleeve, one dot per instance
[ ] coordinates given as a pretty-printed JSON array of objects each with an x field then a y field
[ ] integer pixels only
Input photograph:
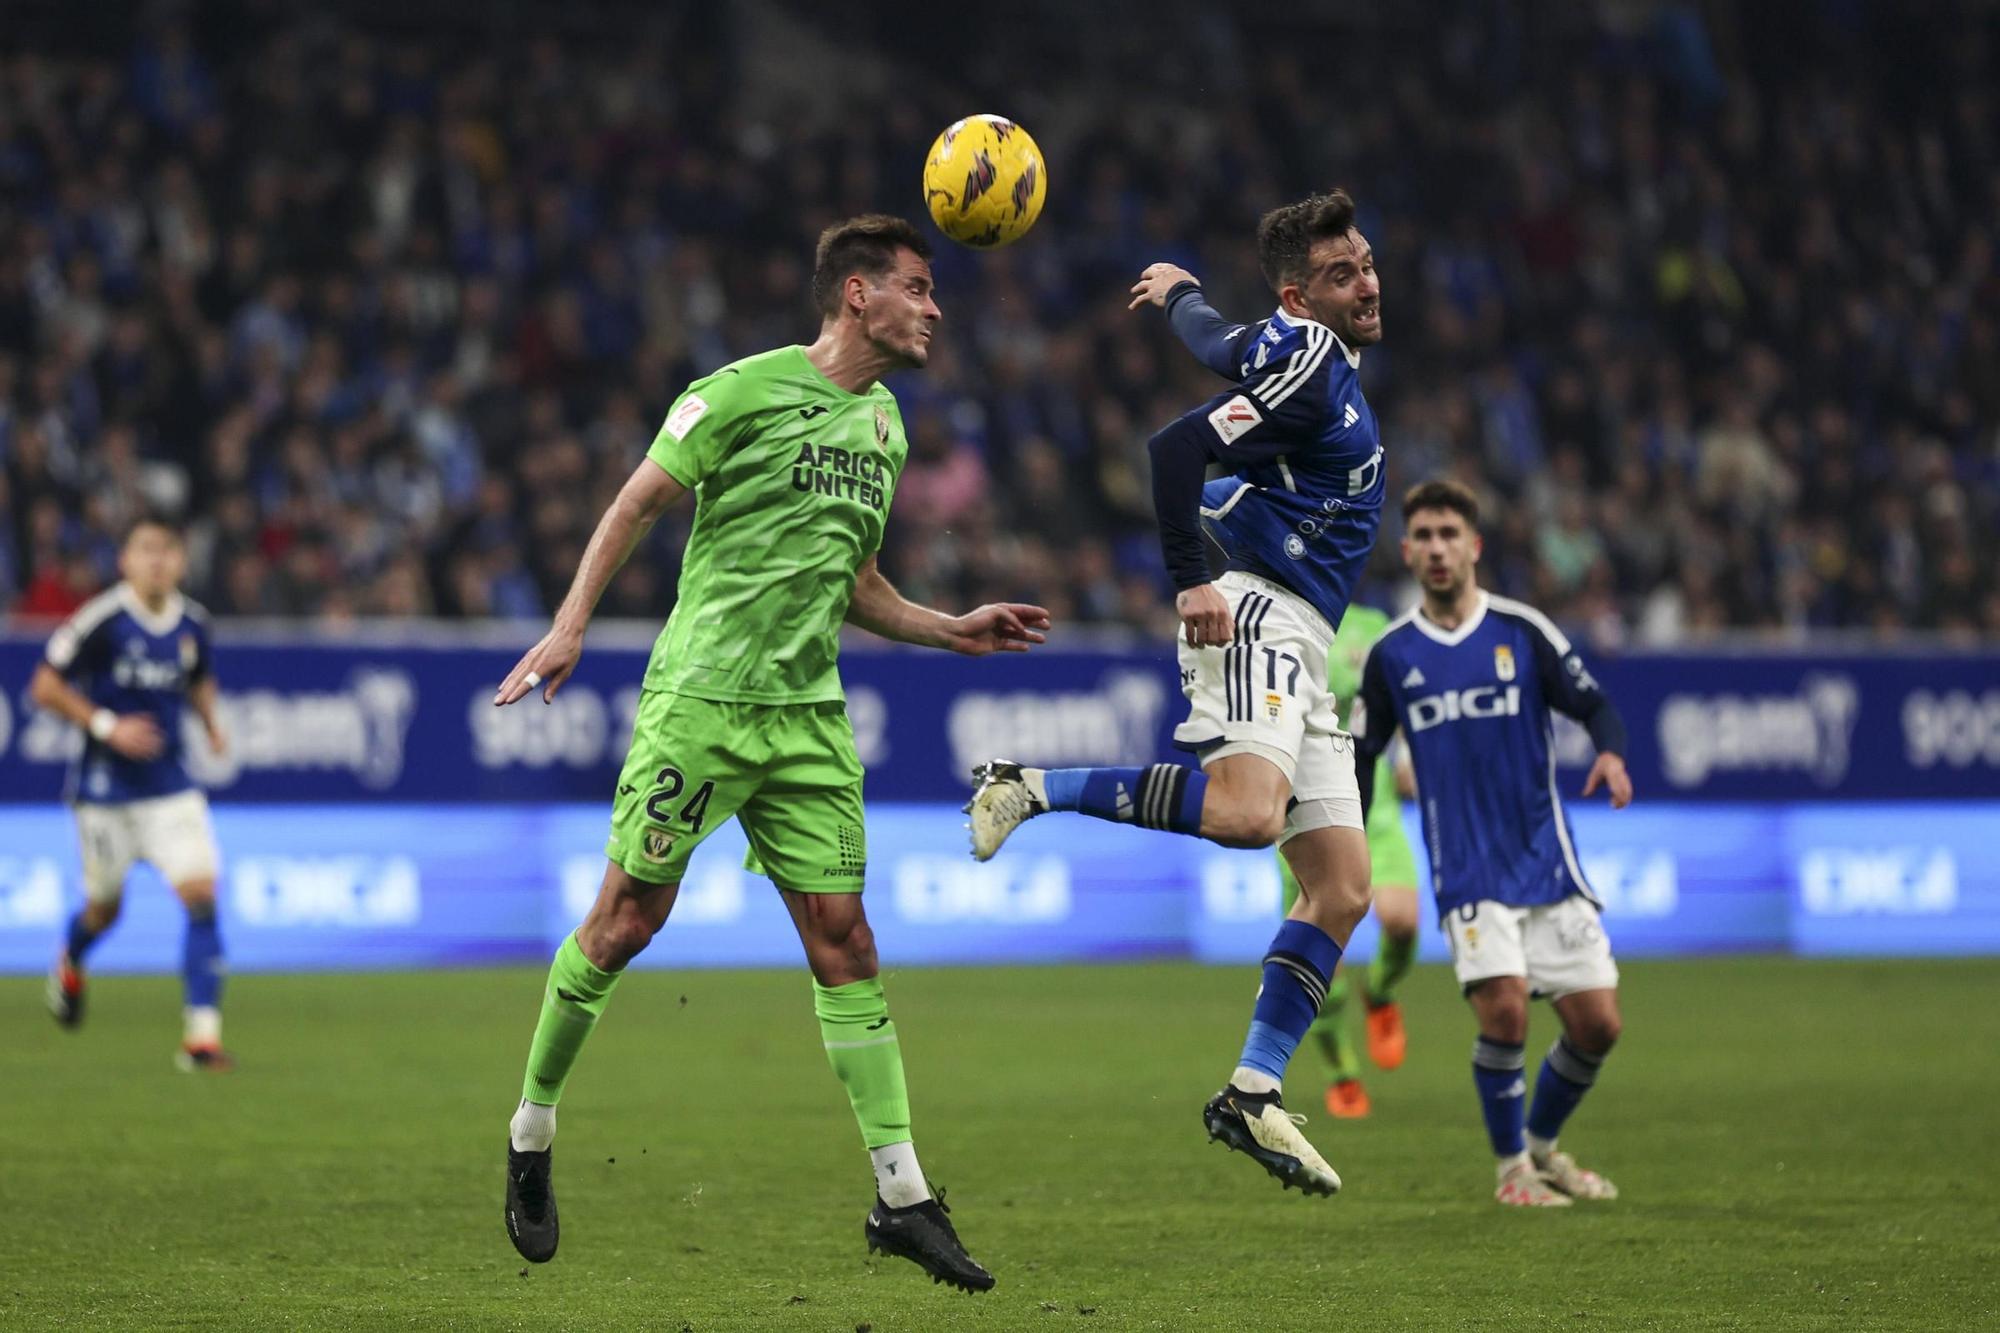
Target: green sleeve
[
  {"x": 701, "y": 427},
  {"x": 1359, "y": 629}
]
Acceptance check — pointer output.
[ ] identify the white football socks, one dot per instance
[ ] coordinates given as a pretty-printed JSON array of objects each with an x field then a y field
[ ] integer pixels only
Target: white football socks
[
  {"x": 533, "y": 1127},
  {"x": 1253, "y": 1081},
  {"x": 1032, "y": 779},
  {"x": 898, "y": 1178},
  {"x": 201, "y": 1025},
  {"x": 1541, "y": 1149}
]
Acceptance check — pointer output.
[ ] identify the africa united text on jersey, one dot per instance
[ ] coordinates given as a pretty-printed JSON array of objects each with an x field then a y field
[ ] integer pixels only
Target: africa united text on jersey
[
  {"x": 1301, "y": 497},
  {"x": 130, "y": 660},
  {"x": 1474, "y": 703}
]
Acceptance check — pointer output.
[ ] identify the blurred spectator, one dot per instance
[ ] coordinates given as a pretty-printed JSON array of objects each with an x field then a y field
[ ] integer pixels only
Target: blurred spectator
[{"x": 1704, "y": 297}]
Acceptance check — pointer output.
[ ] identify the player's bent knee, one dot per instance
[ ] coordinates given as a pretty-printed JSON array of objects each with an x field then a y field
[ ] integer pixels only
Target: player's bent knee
[
  {"x": 1246, "y": 829},
  {"x": 836, "y": 932},
  {"x": 612, "y": 941},
  {"x": 198, "y": 896},
  {"x": 101, "y": 913},
  {"x": 1396, "y": 910},
  {"x": 1599, "y": 1033},
  {"x": 624, "y": 918},
  {"x": 1505, "y": 1023}
]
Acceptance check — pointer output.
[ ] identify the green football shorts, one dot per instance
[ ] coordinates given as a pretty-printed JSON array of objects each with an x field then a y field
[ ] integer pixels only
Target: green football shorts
[
  {"x": 1391, "y": 864},
  {"x": 788, "y": 772}
]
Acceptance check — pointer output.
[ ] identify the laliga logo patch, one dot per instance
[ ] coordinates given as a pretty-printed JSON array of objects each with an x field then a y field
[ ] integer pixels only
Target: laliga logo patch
[
  {"x": 1235, "y": 419},
  {"x": 1503, "y": 662},
  {"x": 881, "y": 426},
  {"x": 683, "y": 417},
  {"x": 656, "y": 844}
]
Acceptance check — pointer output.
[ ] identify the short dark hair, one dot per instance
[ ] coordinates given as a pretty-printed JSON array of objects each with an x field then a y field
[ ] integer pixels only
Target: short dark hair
[
  {"x": 149, "y": 519},
  {"x": 1285, "y": 236},
  {"x": 866, "y": 245},
  {"x": 1442, "y": 493}
]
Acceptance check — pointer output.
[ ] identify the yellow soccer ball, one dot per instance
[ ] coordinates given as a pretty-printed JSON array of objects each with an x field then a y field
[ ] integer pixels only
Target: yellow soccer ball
[{"x": 985, "y": 181}]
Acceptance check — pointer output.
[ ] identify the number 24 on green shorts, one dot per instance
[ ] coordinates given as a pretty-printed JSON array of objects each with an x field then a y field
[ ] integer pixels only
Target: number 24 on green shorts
[{"x": 787, "y": 772}]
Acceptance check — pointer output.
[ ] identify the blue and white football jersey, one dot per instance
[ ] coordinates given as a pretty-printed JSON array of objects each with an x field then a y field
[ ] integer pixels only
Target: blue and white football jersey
[
  {"x": 1301, "y": 495},
  {"x": 125, "y": 658},
  {"x": 1474, "y": 705}
]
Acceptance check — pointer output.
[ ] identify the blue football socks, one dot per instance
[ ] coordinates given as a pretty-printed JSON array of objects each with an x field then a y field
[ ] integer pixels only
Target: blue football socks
[
  {"x": 201, "y": 961},
  {"x": 1567, "y": 1074},
  {"x": 1297, "y": 970},
  {"x": 1161, "y": 796},
  {"x": 1503, "y": 1093},
  {"x": 80, "y": 938}
]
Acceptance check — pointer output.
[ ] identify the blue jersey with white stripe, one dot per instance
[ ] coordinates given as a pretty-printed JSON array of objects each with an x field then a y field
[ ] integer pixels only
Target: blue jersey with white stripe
[
  {"x": 1301, "y": 497},
  {"x": 131, "y": 660},
  {"x": 1474, "y": 705}
]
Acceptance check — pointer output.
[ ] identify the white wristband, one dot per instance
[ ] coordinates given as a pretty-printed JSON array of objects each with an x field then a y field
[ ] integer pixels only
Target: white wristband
[{"x": 101, "y": 723}]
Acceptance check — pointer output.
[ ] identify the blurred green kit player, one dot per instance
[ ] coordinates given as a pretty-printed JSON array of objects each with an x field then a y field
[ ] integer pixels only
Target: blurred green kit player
[
  {"x": 1393, "y": 875},
  {"x": 793, "y": 457}
]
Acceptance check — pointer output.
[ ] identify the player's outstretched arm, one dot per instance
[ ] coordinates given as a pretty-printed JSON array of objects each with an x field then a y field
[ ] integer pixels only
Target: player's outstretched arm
[
  {"x": 645, "y": 496},
  {"x": 998, "y": 627},
  {"x": 1215, "y": 342}
]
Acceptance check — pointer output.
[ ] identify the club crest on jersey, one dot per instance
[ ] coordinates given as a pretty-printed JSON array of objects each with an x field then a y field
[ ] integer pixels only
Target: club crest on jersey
[
  {"x": 656, "y": 844},
  {"x": 1274, "y": 704},
  {"x": 190, "y": 652},
  {"x": 881, "y": 426},
  {"x": 1503, "y": 661},
  {"x": 1235, "y": 419}
]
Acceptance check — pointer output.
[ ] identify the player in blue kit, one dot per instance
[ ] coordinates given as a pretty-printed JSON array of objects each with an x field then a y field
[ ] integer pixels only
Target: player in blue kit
[
  {"x": 1295, "y": 512},
  {"x": 1471, "y": 678},
  {"x": 123, "y": 668}
]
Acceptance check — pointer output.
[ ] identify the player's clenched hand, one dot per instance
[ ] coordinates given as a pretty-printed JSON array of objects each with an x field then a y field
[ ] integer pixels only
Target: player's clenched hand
[
  {"x": 1609, "y": 772},
  {"x": 1159, "y": 279},
  {"x": 1205, "y": 616},
  {"x": 547, "y": 664},
  {"x": 136, "y": 736},
  {"x": 998, "y": 627}
]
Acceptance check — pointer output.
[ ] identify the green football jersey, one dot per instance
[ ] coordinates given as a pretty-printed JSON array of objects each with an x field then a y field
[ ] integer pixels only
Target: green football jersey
[
  {"x": 792, "y": 478},
  {"x": 1359, "y": 628}
]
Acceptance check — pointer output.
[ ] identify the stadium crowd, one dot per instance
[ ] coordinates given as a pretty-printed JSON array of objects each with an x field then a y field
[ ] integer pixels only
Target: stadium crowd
[{"x": 386, "y": 310}]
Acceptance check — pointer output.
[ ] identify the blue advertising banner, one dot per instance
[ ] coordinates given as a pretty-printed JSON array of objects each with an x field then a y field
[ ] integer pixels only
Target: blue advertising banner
[
  {"x": 307, "y": 887},
  {"x": 412, "y": 721}
]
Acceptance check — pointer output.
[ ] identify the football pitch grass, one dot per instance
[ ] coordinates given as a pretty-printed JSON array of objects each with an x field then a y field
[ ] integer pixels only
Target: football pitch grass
[{"x": 1800, "y": 1145}]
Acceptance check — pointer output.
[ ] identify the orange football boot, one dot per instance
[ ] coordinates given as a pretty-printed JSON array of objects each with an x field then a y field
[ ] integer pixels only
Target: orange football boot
[
  {"x": 1346, "y": 1099},
  {"x": 1387, "y": 1042}
]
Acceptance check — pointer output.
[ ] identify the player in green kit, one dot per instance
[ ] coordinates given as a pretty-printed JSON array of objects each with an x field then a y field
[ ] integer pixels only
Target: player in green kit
[
  {"x": 793, "y": 457},
  {"x": 1393, "y": 875}
]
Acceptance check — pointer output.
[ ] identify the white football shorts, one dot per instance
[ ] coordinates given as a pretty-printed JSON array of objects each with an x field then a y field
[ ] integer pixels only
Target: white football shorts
[
  {"x": 1265, "y": 694},
  {"x": 173, "y": 834},
  {"x": 1561, "y": 948}
]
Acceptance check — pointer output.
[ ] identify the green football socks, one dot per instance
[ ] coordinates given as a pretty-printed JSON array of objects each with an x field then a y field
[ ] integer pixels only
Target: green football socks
[
  {"x": 577, "y": 992},
  {"x": 1389, "y": 966},
  {"x": 862, "y": 1048},
  {"x": 1329, "y": 1031}
]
